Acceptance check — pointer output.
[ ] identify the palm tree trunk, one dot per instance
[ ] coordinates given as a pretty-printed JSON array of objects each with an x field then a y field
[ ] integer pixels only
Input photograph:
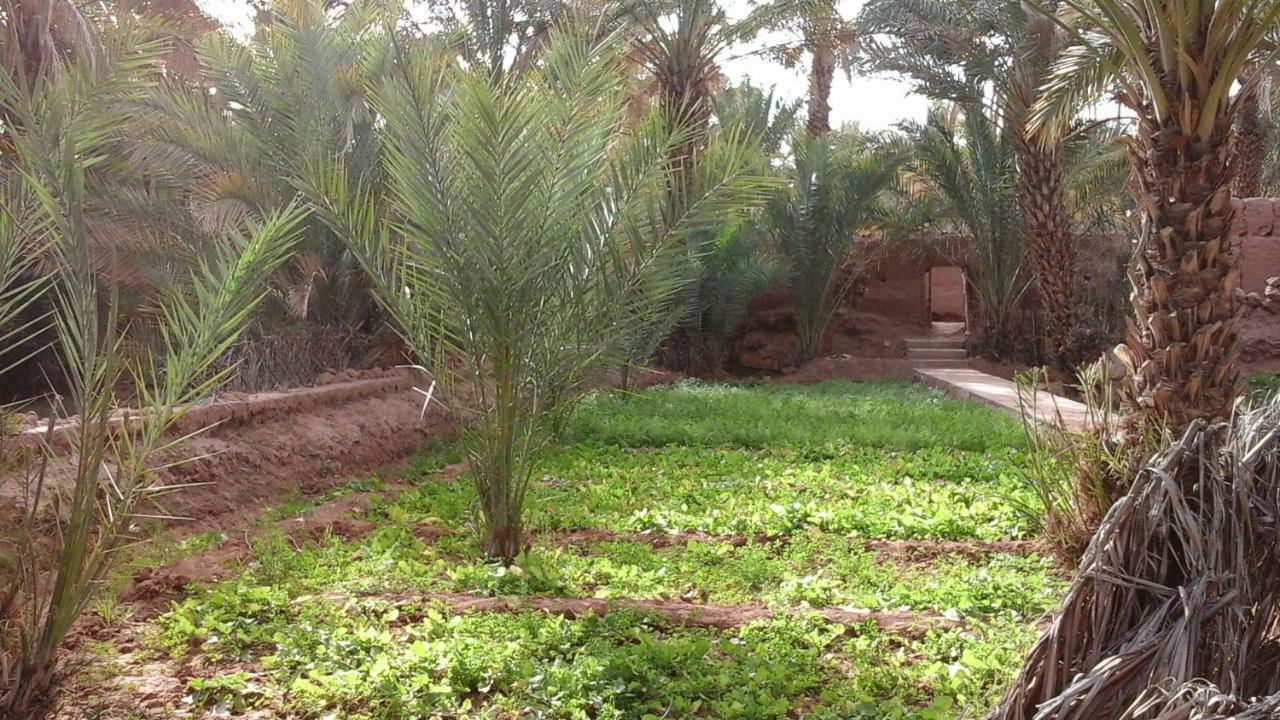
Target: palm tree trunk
[
  {"x": 1251, "y": 141},
  {"x": 687, "y": 107},
  {"x": 1044, "y": 213},
  {"x": 821, "y": 74},
  {"x": 1183, "y": 345}
]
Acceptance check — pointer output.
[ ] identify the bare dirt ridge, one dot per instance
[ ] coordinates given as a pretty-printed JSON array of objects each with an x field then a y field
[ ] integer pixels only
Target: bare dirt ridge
[
  {"x": 268, "y": 446},
  {"x": 904, "y": 549},
  {"x": 151, "y": 589},
  {"x": 911, "y": 625}
]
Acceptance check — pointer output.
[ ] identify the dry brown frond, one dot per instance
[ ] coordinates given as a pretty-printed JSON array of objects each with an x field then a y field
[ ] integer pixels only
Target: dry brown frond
[{"x": 1178, "y": 588}]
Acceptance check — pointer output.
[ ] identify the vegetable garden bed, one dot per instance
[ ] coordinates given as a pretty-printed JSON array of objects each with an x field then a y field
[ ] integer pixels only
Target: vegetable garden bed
[{"x": 836, "y": 551}]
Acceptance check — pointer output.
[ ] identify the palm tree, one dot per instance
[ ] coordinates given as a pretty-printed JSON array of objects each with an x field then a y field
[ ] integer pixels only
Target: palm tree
[
  {"x": 970, "y": 175},
  {"x": 959, "y": 52},
  {"x": 817, "y": 29},
  {"x": 1042, "y": 197},
  {"x": 1174, "y": 65},
  {"x": 69, "y": 132},
  {"x": 237, "y": 143},
  {"x": 1166, "y": 599},
  {"x": 1253, "y": 125},
  {"x": 143, "y": 240},
  {"x": 681, "y": 43},
  {"x": 43, "y": 35},
  {"x": 733, "y": 262},
  {"x": 836, "y": 193},
  {"x": 521, "y": 239}
]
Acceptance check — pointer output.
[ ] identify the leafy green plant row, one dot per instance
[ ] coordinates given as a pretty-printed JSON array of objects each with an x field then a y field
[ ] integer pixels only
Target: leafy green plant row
[
  {"x": 928, "y": 493},
  {"x": 836, "y": 414},
  {"x": 821, "y": 571},
  {"x": 370, "y": 659}
]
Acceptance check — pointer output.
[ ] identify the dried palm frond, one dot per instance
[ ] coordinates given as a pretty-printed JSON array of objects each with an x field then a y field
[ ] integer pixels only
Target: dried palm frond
[{"x": 1178, "y": 588}]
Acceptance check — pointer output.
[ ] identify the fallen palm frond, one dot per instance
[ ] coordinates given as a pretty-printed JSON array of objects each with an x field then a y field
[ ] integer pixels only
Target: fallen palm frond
[{"x": 1177, "y": 590}]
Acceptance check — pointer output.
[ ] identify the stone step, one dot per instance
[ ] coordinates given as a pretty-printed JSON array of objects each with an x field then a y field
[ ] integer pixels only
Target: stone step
[
  {"x": 936, "y": 353},
  {"x": 948, "y": 363},
  {"x": 945, "y": 341}
]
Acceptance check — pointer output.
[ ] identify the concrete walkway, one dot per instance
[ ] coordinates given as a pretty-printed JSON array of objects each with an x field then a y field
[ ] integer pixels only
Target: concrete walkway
[{"x": 970, "y": 384}]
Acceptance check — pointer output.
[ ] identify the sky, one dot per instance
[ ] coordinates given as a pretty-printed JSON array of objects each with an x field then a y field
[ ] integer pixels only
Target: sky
[{"x": 873, "y": 103}]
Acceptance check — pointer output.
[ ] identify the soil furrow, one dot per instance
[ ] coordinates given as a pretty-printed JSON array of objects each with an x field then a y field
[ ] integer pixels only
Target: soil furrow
[{"x": 687, "y": 614}]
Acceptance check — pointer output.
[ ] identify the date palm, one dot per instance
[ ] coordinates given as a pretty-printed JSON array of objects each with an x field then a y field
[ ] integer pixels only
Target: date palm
[
  {"x": 522, "y": 241},
  {"x": 43, "y": 33},
  {"x": 1174, "y": 64},
  {"x": 970, "y": 174},
  {"x": 962, "y": 52},
  {"x": 68, "y": 131},
  {"x": 681, "y": 43},
  {"x": 733, "y": 262},
  {"x": 262, "y": 110},
  {"x": 1253, "y": 126},
  {"x": 816, "y": 29},
  {"x": 1168, "y": 616},
  {"x": 1043, "y": 196},
  {"x": 837, "y": 192}
]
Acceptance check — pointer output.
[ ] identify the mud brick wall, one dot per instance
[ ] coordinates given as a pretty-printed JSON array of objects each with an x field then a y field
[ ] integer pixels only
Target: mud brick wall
[{"x": 1257, "y": 231}]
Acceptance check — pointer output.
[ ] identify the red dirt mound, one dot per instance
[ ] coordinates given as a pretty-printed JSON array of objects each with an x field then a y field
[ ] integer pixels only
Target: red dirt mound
[
  {"x": 769, "y": 343},
  {"x": 267, "y": 446}
]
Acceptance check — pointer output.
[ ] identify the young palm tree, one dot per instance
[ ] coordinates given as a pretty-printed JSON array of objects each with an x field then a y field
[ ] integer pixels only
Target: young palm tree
[
  {"x": 68, "y": 132},
  {"x": 969, "y": 169},
  {"x": 523, "y": 242},
  {"x": 732, "y": 262},
  {"x": 1175, "y": 64},
  {"x": 837, "y": 192},
  {"x": 264, "y": 110}
]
